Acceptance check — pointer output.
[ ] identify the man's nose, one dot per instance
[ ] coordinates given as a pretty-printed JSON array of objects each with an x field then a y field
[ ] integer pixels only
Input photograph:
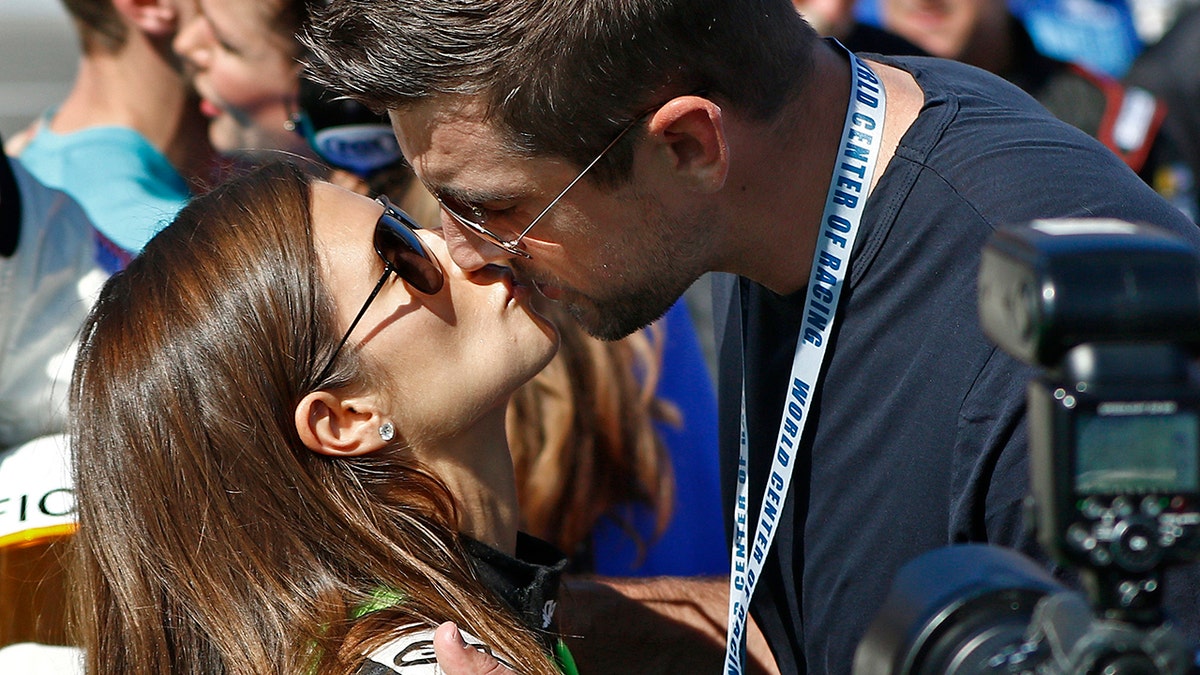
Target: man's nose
[{"x": 468, "y": 250}]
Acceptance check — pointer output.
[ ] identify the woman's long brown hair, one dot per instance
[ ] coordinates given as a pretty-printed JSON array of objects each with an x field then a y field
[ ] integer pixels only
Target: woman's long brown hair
[
  {"x": 583, "y": 437},
  {"x": 211, "y": 540}
]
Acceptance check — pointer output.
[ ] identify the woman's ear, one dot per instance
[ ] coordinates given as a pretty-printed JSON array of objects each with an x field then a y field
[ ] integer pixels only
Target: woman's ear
[
  {"x": 340, "y": 427},
  {"x": 690, "y": 130}
]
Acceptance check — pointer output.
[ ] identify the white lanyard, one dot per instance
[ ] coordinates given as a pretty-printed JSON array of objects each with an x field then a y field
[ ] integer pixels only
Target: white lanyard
[{"x": 844, "y": 206}]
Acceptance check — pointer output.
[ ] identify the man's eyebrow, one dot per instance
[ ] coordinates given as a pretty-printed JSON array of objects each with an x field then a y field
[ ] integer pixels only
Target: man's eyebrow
[{"x": 469, "y": 196}]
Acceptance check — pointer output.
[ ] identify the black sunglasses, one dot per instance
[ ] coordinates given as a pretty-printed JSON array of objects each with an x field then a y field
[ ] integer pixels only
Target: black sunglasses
[{"x": 403, "y": 254}]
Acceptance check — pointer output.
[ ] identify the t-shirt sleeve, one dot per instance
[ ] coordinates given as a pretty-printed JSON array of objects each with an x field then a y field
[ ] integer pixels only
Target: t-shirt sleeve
[{"x": 991, "y": 460}]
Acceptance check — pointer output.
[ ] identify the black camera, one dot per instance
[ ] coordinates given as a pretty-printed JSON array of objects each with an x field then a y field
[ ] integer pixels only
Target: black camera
[{"x": 1110, "y": 313}]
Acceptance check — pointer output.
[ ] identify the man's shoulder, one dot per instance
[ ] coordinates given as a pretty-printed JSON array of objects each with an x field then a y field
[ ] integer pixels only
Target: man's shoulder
[
  {"x": 940, "y": 77},
  {"x": 967, "y": 111}
]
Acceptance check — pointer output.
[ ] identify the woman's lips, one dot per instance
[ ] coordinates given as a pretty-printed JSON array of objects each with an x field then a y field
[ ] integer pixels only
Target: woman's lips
[
  {"x": 520, "y": 293},
  {"x": 516, "y": 290}
]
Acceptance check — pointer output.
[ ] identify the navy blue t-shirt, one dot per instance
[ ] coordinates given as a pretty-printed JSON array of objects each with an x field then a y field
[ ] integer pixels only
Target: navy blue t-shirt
[{"x": 916, "y": 437}]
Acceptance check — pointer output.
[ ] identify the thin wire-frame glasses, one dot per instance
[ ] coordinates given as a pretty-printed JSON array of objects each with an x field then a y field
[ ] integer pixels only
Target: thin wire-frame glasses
[{"x": 514, "y": 246}]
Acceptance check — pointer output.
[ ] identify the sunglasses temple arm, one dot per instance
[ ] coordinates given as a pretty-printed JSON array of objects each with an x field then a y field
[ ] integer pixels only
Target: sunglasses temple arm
[{"x": 370, "y": 298}]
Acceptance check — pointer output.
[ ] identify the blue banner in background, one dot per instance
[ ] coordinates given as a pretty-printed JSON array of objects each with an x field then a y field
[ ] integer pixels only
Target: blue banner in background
[{"x": 1096, "y": 33}]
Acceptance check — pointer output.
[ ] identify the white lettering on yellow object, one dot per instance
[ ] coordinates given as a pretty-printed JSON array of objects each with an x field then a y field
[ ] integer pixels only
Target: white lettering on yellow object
[{"x": 35, "y": 487}]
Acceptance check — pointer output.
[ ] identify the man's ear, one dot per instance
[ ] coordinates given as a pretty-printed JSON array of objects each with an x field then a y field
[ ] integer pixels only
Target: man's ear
[
  {"x": 339, "y": 427},
  {"x": 690, "y": 132},
  {"x": 158, "y": 18}
]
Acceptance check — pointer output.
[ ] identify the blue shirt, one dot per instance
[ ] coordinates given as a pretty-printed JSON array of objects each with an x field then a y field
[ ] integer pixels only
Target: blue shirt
[
  {"x": 126, "y": 186},
  {"x": 694, "y": 541},
  {"x": 917, "y": 436}
]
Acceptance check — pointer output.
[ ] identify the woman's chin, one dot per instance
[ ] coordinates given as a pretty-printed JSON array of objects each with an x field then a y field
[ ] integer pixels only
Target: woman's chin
[{"x": 548, "y": 328}]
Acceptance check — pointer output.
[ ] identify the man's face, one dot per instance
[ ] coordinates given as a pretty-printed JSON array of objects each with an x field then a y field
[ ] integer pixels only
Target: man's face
[{"x": 617, "y": 259}]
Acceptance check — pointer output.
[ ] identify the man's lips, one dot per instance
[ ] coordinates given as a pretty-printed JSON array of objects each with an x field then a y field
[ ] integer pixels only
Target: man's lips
[
  {"x": 548, "y": 290},
  {"x": 517, "y": 289}
]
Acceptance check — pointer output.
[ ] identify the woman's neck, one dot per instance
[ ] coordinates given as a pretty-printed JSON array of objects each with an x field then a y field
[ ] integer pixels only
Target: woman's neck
[{"x": 477, "y": 468}]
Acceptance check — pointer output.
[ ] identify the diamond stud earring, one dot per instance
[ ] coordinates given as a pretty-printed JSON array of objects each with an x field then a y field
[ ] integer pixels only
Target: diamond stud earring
[{"x": 387, "y": 431}]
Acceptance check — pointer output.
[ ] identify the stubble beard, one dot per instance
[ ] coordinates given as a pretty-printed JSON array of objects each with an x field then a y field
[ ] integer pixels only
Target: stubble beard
[
  {"x": 616, "y": 318},
  {"x": 659, "y": 271}
]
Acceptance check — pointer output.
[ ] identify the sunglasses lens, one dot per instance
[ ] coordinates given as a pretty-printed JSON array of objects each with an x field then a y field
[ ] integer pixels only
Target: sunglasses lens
[{"x": 396, "y": 241}]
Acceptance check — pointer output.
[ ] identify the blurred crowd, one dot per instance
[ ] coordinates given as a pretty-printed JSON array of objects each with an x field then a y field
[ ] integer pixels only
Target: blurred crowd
[
  {"x": 614, "y": 443},
  {"x": 170, "y": 99}
]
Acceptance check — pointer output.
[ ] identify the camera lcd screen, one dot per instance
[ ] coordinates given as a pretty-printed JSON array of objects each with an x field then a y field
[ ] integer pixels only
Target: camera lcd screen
[{"x": 1137, "y": 454}]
